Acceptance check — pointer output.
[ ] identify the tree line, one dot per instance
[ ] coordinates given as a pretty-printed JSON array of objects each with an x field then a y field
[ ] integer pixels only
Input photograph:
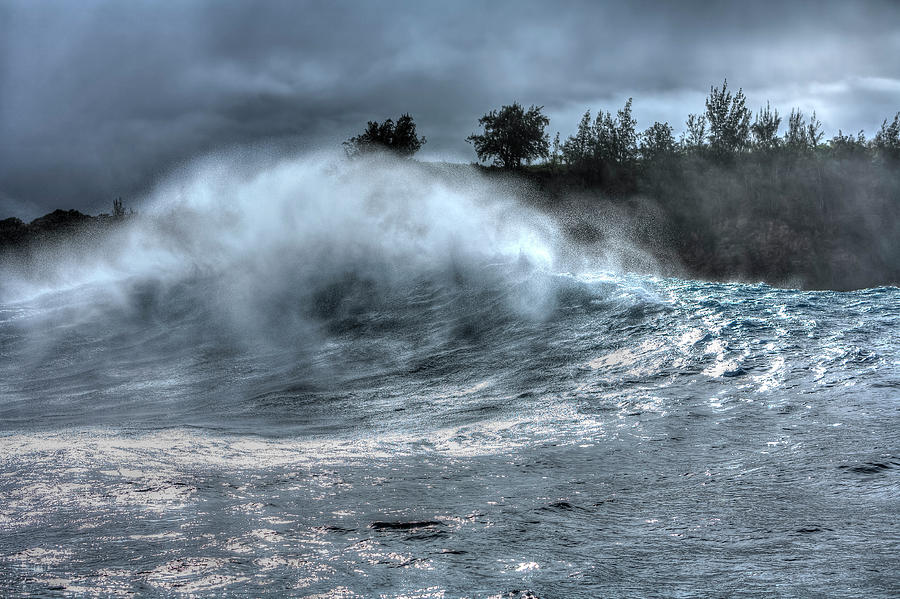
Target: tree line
[
  {"x": 606, "y": 143},
  {"x": 757, "y": 196}
]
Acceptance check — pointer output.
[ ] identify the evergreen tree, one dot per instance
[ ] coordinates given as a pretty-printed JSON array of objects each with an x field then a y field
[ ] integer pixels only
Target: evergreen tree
[
  {"x": 887, "y": 140},
  {"x": 795, "y": 136},
  {"x": 693, "y": 140},
  {"x": 729, "y": 121},
  {"x": 615, "y": 141},
  {"x": 765, "y": 129},
  {"x": 848, "y": 146},
  {"x": 626, "y": 137},
  {"x": 814, "y": 133},
  {"x": 556, "y": 153},
  {"x": 578, "y": 148}
]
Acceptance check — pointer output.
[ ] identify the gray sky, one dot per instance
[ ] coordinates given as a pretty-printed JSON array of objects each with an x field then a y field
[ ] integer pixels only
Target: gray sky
[{"x": 99, "y": 98}]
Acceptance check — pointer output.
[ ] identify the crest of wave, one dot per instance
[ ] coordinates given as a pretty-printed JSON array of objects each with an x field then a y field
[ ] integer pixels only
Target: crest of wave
[{"x": 250, "y": 238}]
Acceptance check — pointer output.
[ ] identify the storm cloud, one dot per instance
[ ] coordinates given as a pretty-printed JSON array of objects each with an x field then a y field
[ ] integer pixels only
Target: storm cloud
[{"x": 98, "y": 99}]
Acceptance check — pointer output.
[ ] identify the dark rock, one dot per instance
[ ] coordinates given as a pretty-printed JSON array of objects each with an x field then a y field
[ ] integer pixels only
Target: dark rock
[{"x": 379, "y": 525}]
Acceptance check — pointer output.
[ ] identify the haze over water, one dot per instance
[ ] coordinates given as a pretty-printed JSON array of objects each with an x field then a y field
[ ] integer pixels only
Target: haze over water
[{"x": 312, "y": 377}]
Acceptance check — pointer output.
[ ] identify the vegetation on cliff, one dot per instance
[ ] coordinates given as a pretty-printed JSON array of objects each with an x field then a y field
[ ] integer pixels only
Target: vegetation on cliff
[{"x": 737, "y": 196}]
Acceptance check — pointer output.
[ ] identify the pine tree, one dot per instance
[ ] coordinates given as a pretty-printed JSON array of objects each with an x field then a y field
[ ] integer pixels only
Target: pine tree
[
  {"x": 729, "y": 121},
  {"x": 765, "y": 129}
]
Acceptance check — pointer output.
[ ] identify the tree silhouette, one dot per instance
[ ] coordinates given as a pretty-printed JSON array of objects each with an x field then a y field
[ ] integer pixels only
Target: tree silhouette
[
  {"x": 729, "y": 121},
  {"x": 887, "y": 140},
  {"x": 556, "y": 152},
  {"x": 118, "y": 208},
  {"x": 399, "y": 138},
  {"x": 615, "y": 138},
  {"x": 765, "y": 129},
  {"x": 608, "y": 141},
  {"x": 657, "y": 141},
  {"x": 512, "y": 135},
  {"x": 694, "y": 137},
  {"x": 578, "y": 149},
  {"x": 802, "y": 136},
  {"x": 848, "y": 146}
]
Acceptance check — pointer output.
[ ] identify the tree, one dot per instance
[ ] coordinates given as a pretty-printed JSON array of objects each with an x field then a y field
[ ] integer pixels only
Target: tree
[
  {"x": 616, "y": 141},
  {"x": 848, "y": 146},
  {"x": 729, "y": 121},
  {"x": 512, "y": 135},
  {"x": 399, "y": 138},
  {"x": 657, "y": 141},
  {"x": 887, "y": 140},
  {"x": 765, "y": 129},
  {"x": 694, "y": 138},
  {"x": 795, "y": 136},
  {"x": 556, "y": 152},
  {"x": 802, "y": 136},
  {"x": 626, "y": 135},
  {"x": 578, "y": 148},
  {"x": 611, "y": 141},
  {"x": 814, "y": 133},
  {"x": 118, "y": 208}
]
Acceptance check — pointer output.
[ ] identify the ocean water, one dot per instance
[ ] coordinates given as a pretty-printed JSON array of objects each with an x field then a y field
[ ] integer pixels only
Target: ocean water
[{"x": 316, "y": 380}]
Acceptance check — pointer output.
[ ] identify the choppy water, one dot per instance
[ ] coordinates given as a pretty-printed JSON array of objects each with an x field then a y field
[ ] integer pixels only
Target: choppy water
[{"x": 381, "y": 410}]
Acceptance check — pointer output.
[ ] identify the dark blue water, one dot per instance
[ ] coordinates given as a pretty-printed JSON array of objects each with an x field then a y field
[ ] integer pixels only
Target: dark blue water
[{"x": 380, "y": 410}]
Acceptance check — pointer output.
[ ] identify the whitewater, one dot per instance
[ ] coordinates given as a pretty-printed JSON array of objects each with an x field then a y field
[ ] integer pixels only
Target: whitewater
[{"x": 313, "y": 377}]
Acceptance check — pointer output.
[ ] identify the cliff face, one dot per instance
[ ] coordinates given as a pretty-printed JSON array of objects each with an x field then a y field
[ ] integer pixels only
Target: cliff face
[{"x": 812, "y": 223}]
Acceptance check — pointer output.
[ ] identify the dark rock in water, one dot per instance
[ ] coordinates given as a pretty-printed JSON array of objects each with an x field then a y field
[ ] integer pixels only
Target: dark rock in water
[
  {"x": 869, "y": 467},
  {"x": 339, "y": 529},
  {"x": 561, "y": 505},
  {"x": 378, "y": 525},
  {"x": 734, "y": 373}
]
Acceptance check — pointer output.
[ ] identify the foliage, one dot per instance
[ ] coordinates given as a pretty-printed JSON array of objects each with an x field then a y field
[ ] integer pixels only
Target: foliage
[
  {"x": 616, "y": 141},
  {"x": 693, "y": 140},
  {"x": 743, "y": 197},
  {"x": 800, "y": 136},
  {"x": 512, "y": 135},
  {"x": 556, "y": 154},
  {"x": 658, "y": 142},
  {"x": 848, "y": 146},
  {"x": 399, "y": 138},
  {"x": 814, "y": 133},
  {"x": 729, "y": 121},
  {"x": 765, "y": 129},
  {"x": 608, "y": 141},
  {"x": 887, "y": 140},
  {"x": 578, "y": 149}
]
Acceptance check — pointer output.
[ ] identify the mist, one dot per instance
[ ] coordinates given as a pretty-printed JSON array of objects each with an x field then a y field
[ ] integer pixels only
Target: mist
[
  {"x": 250, "y": 253},
  {"x": 237, "y": 215}
]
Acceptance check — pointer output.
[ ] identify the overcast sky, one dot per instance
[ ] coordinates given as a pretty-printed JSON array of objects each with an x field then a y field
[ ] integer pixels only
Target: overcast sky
[{"x": 98, "y": 98}]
